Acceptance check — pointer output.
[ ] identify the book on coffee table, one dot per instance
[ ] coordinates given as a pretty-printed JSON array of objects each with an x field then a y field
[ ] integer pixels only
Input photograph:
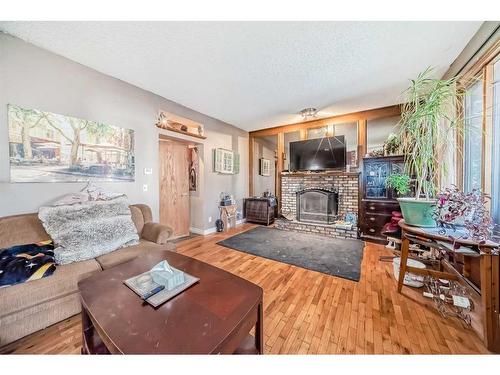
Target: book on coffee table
[{"x": 155, "y": 293}]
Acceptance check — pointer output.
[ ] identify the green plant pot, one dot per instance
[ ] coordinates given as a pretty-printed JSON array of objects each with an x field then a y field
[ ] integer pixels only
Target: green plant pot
[{"x": 419, "y": 213}]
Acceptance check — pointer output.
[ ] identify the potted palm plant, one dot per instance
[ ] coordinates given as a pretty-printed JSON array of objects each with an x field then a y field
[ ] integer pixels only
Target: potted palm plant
[{"x": 430, "y": 116}]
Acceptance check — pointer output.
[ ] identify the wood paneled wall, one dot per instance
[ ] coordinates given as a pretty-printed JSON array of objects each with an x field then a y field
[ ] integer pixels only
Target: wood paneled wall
[{"x": 360, "y": 117}]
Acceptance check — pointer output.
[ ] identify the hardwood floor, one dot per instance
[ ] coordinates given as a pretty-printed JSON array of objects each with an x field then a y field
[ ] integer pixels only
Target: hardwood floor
[{"x": 307, "y": 312}]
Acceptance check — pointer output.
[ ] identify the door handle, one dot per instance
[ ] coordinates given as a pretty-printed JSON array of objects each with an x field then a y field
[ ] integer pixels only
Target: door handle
[{"x": 184, "y": 194}]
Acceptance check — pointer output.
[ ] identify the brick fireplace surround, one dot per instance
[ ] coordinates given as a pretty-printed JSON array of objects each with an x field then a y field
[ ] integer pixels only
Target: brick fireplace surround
[{"x": 347, "y": 185}]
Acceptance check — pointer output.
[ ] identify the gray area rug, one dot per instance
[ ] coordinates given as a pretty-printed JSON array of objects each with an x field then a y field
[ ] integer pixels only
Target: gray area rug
[{"x": 333, "y": 256}]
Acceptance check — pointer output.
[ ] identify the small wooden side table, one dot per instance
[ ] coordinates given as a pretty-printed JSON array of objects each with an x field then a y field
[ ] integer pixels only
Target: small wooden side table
[
  {"x": 490, "y": 278},
  {"x": 228, "y": 216}
]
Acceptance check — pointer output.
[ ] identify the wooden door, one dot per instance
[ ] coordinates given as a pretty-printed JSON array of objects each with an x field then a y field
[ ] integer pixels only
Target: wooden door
[{"x": 174, "y": 186}]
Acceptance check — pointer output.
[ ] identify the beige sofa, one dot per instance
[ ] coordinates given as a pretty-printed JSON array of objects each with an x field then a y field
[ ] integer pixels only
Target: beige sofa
[{"x": 28, "y": 307}]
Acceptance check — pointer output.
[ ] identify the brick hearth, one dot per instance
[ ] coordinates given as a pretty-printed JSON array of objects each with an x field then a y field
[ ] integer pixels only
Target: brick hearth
[
  {"x": 347, "y": 185},
  {"x": 320, "y": 229}
]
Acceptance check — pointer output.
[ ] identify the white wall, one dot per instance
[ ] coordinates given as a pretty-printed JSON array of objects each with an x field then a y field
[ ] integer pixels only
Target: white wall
[{"x": 35, "y": 78}]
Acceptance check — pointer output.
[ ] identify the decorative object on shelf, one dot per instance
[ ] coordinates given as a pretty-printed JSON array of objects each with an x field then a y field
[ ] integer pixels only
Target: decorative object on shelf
[
  {"x": 342, "y": 224},
  {"x": 265, "y": 167},
  {"x": 226, "y": 199},
  {"x": 400, "y": 182},
  {"x": 178, "y": 124},
  {"x": 376, "y": 153},
  {"x": 456, "y": 208},
  {"x": 48, "y": 147},
  {"x": 426, "y": 125},
  {"x": 223, "y": 161},
  {"x": 392, "y": 145},
  {"x": 352, "y": 218}
]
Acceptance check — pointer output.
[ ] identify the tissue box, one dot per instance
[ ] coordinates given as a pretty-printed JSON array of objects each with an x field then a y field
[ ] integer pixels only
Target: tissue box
[{"x": 170, "y": 280}]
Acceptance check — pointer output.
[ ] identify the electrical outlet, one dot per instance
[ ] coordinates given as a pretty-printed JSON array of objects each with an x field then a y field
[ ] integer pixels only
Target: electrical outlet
[
  {"x": 210, "y": 219},
  {"x": 148, "y": 171},
  {"x": 145, "y": 187}
]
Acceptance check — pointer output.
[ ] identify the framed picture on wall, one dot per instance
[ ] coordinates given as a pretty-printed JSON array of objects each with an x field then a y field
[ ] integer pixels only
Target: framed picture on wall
[
  {"x": 223, "y": 161},
  {"x": 49, "y": 147},
  {"x": 265, "y": 167}
]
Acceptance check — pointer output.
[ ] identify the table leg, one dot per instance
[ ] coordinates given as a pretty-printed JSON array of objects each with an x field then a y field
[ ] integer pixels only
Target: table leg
[
  {"x": 259, "y": 330},
  {"x": 86, "y": 331},
  {"x": 489, "y": 296},
  {"x": 405, "y": 248}
]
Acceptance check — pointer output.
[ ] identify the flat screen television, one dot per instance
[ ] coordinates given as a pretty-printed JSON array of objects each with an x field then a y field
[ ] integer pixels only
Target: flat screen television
[{"x": 318, "y": 154}]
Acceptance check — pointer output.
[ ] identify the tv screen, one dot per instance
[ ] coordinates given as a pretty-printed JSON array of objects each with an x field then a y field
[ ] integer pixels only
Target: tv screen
[{"x": 318, "y": 154}]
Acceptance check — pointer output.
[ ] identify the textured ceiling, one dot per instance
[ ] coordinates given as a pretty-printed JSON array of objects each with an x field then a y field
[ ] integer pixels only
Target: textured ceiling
[{"x": 259, "y": 74}]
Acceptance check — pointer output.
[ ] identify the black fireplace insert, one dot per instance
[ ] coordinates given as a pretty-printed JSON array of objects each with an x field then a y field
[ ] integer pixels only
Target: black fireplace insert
[{"x": 317, "y": 206}]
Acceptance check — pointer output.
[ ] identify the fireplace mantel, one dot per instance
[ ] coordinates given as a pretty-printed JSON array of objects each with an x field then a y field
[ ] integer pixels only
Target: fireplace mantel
[{"x": 323, "y": 173}]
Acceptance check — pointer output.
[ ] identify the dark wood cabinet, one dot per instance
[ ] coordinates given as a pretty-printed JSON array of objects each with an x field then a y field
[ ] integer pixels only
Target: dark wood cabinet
[
  {"x": 260, "y": 210},
  {"x": 378, "y": 201}
]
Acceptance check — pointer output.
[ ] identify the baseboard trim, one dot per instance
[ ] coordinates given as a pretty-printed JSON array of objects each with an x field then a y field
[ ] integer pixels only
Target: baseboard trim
[{"x": 204, "y": 232}]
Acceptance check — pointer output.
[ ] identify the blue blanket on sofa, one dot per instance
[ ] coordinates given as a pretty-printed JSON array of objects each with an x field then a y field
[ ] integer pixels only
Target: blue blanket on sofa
[{"x": 22, "y": 263}]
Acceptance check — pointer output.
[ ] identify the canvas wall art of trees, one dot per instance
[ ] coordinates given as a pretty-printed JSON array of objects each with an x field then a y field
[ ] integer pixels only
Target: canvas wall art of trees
[{"x": 47, "y": 147}]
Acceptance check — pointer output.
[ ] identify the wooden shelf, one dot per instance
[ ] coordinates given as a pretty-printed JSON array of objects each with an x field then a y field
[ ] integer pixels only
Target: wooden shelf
[
  {"x": 181, "y": 132},
  {"x": 325, "y": 173},
  {"x": 175, "y": 123}
]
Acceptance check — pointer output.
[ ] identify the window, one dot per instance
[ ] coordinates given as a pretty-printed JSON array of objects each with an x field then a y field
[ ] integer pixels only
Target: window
[
  {"x": 495, "y": 157},
  {"x": 473, "y": 136}
]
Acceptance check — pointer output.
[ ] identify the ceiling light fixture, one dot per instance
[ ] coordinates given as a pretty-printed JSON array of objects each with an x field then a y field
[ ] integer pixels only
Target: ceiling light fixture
[{"x": 308, "y": 113}]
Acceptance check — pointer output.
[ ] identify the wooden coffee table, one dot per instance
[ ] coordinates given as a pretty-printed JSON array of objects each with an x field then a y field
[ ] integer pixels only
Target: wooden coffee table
[{"x": 211, "y": 317}]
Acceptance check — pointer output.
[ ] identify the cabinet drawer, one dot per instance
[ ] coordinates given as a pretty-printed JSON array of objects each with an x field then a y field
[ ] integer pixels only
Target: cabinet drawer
[
  {"x": 380, "y": 207},
  {"x": 372, "y": 231},
  {"x": 373, "y": 224},
  {"x": 376, "y": 220}
]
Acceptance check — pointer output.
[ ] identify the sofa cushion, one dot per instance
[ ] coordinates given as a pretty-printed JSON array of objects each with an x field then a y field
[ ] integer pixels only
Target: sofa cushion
[
  {"x": 21, "y": 230},
  {"x": 128, "y": 253},
  {"x": 63, "y": 281}
]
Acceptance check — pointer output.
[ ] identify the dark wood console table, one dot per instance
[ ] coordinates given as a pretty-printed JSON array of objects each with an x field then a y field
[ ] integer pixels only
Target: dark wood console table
[
  {"x": 213, "y": 316},
  {"x": 488, "y": 294}
]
